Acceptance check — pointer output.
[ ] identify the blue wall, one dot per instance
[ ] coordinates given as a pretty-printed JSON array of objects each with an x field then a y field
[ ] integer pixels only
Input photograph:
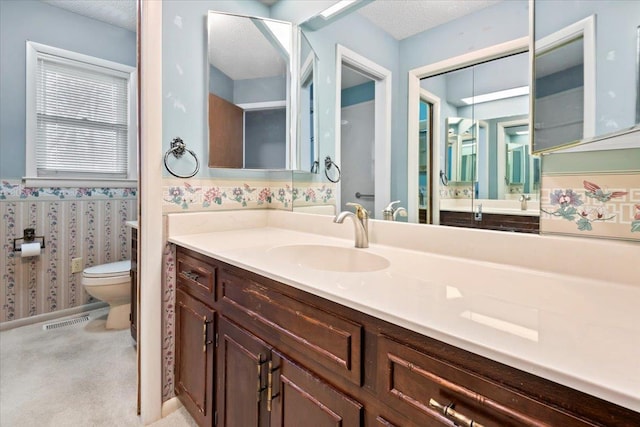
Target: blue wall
[
  {"x": 27, "y": 20},
  {"x": 616, "y": 45},
  {"x": 265, "y": 138},
  {"x": 496, "y": 24},
  {"x": 184, "y": 74},
  {"x": 357, "y": 94},
  {"x": 260, "y": 90},
  {"x": 359, "y": 35},
  {"x": 220, "y": 84}
]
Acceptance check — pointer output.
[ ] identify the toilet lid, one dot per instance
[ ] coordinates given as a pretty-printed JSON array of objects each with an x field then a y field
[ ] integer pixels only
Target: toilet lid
[{"x": 119, "y": 268}]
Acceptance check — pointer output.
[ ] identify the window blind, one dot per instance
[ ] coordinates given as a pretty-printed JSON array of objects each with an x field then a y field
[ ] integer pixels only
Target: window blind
[{"x": 82, "y": 119}]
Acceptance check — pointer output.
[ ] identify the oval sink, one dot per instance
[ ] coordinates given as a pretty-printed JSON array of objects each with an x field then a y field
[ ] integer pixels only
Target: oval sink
[{"x": 330, "y": 258}]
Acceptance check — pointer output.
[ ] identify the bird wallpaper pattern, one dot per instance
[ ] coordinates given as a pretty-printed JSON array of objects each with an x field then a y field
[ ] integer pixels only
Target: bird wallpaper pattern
[{"x": 605, "y": 205}]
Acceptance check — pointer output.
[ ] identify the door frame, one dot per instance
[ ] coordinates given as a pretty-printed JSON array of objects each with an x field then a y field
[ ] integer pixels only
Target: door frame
[
  {"x": 382, "y": 150},
  {"x": 413, "y": 157}
]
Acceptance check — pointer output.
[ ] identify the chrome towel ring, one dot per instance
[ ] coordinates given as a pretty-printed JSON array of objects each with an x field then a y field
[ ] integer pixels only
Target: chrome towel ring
[
  {"x": 328, "y": 163},
  {"x": 178, "y": 148},
  {"x": 443, "y": 178}
]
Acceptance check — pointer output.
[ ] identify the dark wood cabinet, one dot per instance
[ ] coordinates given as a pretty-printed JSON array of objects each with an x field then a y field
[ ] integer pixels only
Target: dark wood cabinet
[
  {"x": 300, "y": 398},
  {"x": 242, "y": 376},
  {"x": 285, "y": 357},
  {"x": 422, "y": 385},
  {"x": 491, "y": 221},
  {"x": 133, "y": 317},
  {"x": 194, "y": 375}
]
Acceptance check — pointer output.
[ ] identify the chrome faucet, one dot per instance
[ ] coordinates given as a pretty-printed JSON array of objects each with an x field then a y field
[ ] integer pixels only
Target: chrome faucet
[
  {"x": 391, "y": 213},
  {"x": 399, "y": 212},
  {"x": 523, "y": 201},
  {"x": 360, "y": 224}
]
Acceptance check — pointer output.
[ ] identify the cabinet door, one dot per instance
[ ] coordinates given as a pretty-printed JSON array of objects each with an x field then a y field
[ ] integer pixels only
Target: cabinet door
[
  {"x": 299, "y": 398},
  {"x": 194, "y": 357},
  {"x": 243, "y": 361}
]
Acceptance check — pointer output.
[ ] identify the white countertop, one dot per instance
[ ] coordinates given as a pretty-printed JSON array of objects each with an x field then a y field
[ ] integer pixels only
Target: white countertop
[
  {"x": 132, "y": 224},
  {"x": 580, "y": 332}
]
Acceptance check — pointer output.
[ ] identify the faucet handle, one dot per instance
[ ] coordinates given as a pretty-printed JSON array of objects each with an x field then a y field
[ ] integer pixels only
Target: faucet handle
[
  {"x": 361, "y": 212},
  {"x": 390, "y": 206}
]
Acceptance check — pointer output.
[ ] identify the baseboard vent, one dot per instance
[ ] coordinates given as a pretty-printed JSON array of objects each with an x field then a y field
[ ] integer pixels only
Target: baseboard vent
[{"x": 67, "y": 322}]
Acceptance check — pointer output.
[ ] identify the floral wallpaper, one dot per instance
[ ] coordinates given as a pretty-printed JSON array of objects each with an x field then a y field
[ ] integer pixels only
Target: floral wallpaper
[
  {"x": 596, "y": 205},
  {"x": 203, "y": 195},
  {"x": 456, "y": 190},
  {"x": 168, "y": 320},
  {"x": 209, "y": 194},
  {"x": 75, "y": 222}
]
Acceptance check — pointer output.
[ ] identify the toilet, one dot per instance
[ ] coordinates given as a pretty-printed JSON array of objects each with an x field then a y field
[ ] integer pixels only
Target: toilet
[{"x": 111, "y": 283}]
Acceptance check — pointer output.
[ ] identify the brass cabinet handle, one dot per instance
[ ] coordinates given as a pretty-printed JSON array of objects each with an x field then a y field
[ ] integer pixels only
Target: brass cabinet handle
[
  {"x": 457, "y": 416},
  {"x": 270, "y": 395},
  {"x": 190, "y": 275},
  {"x": 205, "y": 343},
  {"x": 259, "y": 388}
]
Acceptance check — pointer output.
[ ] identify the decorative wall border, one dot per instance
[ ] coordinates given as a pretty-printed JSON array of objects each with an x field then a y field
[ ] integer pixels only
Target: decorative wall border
[
  {"x": 605, "y": 205},
  {"x": 15, "y": 190},
  {"x": 216, "y": 194}
]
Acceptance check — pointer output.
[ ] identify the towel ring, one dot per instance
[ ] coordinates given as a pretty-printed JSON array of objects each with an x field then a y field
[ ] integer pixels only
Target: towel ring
[
  {"x": 178, "y": 148},
  {"x": 443, "y": 178},
  {"x": 327, "y": 165}
]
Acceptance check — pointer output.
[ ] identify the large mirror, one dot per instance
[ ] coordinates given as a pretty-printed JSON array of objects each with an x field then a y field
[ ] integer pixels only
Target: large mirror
[
  {"x": 488, "y": 166},
  {"x": 452, "y": 169},
  {"x": 586, "y": 68},
  {"x": 249, "y": 92}
]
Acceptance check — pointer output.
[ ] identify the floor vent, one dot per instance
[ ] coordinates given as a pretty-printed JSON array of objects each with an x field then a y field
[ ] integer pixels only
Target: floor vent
[{"x": 67, "y": 322}]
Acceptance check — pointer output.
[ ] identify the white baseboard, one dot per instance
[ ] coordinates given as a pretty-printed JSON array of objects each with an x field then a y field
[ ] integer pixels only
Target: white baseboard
[
  {"x": 4, "y": 326},
  {"x": 170, "y": 406}
]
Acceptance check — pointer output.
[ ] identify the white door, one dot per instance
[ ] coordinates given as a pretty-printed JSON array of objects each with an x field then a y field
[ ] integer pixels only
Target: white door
[{"x": 357, "y": 153}]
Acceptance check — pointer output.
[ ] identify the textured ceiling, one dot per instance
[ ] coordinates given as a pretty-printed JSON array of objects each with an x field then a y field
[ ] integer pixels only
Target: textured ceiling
[
  {"x": 121, "y": 13},
  {"x": 238, "y": 48},
  {"x": 404, "y": 18}
]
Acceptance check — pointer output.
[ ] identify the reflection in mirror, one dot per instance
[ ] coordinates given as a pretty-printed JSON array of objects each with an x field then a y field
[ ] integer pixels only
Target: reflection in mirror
[
  {"x": 461, "y": 162},
  {"x": 404, "y": 37},
  {"x": 307, "y": 153},
  {"x": 520, "y": 169},
  {"x": 480, "y": 108},
  {"x": 564, "y": 74},
  {"x": 249, "y": 62},
  {"x": 610, "y": 55}
]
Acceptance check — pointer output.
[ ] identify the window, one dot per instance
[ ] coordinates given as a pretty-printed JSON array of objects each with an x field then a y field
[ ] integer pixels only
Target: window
[{"x": 80, "y": 117}]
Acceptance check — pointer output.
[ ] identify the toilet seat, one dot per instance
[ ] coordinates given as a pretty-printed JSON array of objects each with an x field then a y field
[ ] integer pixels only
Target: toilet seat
[
  {"x": 112, "y": 269},
  {"x": 113, "y": 273}
]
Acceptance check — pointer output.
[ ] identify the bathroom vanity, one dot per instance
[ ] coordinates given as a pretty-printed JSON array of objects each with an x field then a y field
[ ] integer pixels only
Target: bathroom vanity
[{"x": 266, "y": 336}]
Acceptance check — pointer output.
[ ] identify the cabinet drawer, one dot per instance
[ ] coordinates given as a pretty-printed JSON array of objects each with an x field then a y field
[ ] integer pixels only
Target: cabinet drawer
[
  {"x": 325, "y": 340},
  {"x": 409, "y": 379},
  {"x": 195, "y": 275}
]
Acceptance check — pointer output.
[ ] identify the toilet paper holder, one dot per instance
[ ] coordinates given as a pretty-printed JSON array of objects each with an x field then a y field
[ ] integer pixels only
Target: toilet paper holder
[{"x": 29, "y": 237}]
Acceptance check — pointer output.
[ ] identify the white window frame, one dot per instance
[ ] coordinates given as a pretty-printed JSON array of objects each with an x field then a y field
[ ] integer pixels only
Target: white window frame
[{"x": 34, "y": 51}]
